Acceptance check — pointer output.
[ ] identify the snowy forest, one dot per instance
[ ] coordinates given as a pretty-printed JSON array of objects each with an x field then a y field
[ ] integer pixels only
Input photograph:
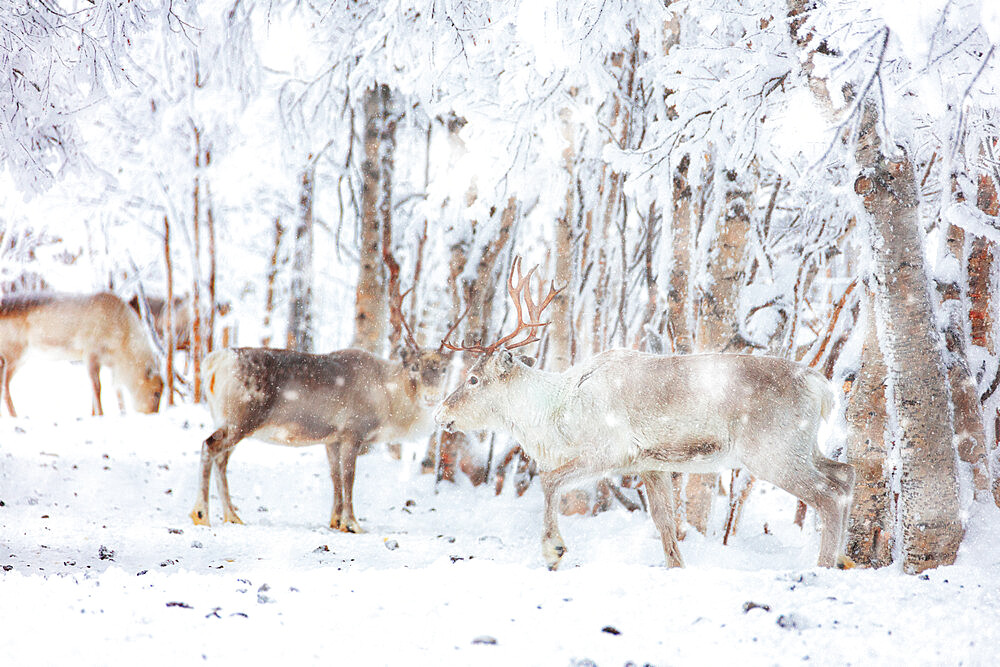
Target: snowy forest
[{"x": 815, "y": 180}]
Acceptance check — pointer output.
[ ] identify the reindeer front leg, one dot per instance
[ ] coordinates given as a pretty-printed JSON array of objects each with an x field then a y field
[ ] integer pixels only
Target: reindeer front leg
[
  {"x": 553, "y": 546},
  {"x": 575, "y": 470}
]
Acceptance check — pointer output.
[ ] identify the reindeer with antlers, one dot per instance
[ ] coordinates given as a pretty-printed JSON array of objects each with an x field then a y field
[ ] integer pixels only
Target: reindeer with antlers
[
  {"x": 343, "y": 400},
  {"x": 624, "y": 411}
]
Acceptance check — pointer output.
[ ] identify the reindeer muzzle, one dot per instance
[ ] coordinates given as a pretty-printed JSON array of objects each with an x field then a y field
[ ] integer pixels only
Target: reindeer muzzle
[{"x": 443, "y": 420}]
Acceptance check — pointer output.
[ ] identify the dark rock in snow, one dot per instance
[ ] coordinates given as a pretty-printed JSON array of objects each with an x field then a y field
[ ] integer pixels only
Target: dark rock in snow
[
  {"x": 182, "y": 605},
  {"x": 486, "y": 640},
  {"x": 175, "y": 531},
  {"x": 105, "y": 553},
  {"x": 792, "y": 621},
  {"x": 323, "y": 548},
  {"x": 750, "y": 604},
  {"x": 611, "y": 630}
]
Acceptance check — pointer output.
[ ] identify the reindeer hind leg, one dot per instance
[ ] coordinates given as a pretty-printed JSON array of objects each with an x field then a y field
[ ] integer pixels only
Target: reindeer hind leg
[
  {"x": 222, "y": 483},
  {"x": 348, "y": 463},
  {"x": 7, "y": 370},
  {"x": 333, "y": 458},
  {"x": 94, "y": 369},
  {"x": 822, "y": 491},
  {"x": 841, "y": 478},
  {"x": 659, "y": 489}
]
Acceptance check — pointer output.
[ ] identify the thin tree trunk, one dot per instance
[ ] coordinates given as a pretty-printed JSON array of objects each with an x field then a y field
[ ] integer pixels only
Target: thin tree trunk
[
  {"x": 560, "y": 334},
  {"x": 196, "y": 334},
  {"x": 980, "y": 268},
  {"x": 272, "y": 276},
  {"x": 370, "y": 301},
  {"x": 970, "y": 429},
  {"x": 717, "y": 326},
  {"x": 168, "y": 308},
  {"x": 300, "y": 334},
  {"x": 212, "y": 299},
  {"x": 478, "y": 296},
  {"x": 678, "y": 297},
  {"x": 928, "y": 509}
]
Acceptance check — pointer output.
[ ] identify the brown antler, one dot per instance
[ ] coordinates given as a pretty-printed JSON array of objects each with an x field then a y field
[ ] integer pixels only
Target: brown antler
[{"x": 522, "y": 288}]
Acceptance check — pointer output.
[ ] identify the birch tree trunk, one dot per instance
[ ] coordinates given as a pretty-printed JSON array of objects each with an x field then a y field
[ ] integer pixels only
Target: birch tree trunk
[
  {"x": 560, "y": 333},
  {"x": 196, "y": 334},
  {"x": 717, "y": 326},
  {"x": 678, "y": 296},
  {"x": 982, "y": 282},
  {"x": 168, "y": 311},
  {"x": 983, "y": 286},
  {"x": 300, "y": 334},
  {"x": 870, "y": 525},
  {"x": 376, "y": 203},
  {"x": 970, "y": 432},
  {"x": 478, "y": 295},
  {"x": 930, "y": 528},
  {"x": 272, "y": 278}
]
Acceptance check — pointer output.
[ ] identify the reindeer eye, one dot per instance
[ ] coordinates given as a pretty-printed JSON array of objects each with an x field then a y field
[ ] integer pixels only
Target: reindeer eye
[{"x": 473, "y": 379}]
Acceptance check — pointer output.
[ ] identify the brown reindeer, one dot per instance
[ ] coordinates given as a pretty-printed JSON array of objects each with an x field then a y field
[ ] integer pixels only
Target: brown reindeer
[
  {"x": 623, "y": 411},
  {"x": 158, "y": 315},
  {"x": 97, "y": 329},
  {"x": 181, "y": 317},
  {"x": 343, "y": 400}
]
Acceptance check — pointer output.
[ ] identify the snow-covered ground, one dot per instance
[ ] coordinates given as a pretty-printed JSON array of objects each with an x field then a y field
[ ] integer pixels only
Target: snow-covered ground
[{"x": 101, "y": 565}]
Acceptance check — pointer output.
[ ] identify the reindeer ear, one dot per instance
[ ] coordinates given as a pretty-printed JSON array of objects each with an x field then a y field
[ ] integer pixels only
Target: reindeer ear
[
  {"x": 527, "y": 361},
  {"x": 506, "y": 360}
]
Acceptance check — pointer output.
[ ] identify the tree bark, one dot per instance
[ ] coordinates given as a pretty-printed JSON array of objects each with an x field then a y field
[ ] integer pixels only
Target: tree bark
[
  {"x": 970, "y": 431},
  {"x": 272, "y": 277},
  {"x": 300, "y": 334},
  {"x": 478, "y": 295},
  {"x": 678, "y": 297},
  {"x": 869, "y": 533},
  {"x": 376, "y": 204},
  {"x": 560, "y": 333},
  {"x": 980, "y": 268},
  {"x": 928, "y": 510},
  {"x": 717, "y": 325},
  {"x": 196, "y": 334},
  {"x": 168, "y": 309}
]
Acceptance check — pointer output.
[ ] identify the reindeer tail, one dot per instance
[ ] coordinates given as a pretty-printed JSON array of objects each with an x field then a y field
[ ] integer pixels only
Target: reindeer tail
[
  {"x": 213, "y": 363},
  {"x": 820, "y": 388}
]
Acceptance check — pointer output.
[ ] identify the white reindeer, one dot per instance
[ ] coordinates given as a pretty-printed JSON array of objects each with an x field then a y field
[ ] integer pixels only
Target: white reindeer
[{"x": 624, "y": 411}]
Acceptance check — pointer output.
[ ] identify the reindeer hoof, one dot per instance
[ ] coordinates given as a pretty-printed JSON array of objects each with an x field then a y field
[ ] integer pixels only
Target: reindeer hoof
[
  {"x": 553, "y": 551},
  {"x": 844, "y": 562},
  {"x": 232, "y": 518},
  {"x": 351, "y": 526},
  {"x": 200, "y": 517}
]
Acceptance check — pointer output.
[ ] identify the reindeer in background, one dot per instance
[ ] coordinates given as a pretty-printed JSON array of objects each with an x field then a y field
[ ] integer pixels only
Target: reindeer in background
[
  {"x": 98, "y": 329},
  {"x": 630, "y": 412},
  {"x": 344, "y": 400}
]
